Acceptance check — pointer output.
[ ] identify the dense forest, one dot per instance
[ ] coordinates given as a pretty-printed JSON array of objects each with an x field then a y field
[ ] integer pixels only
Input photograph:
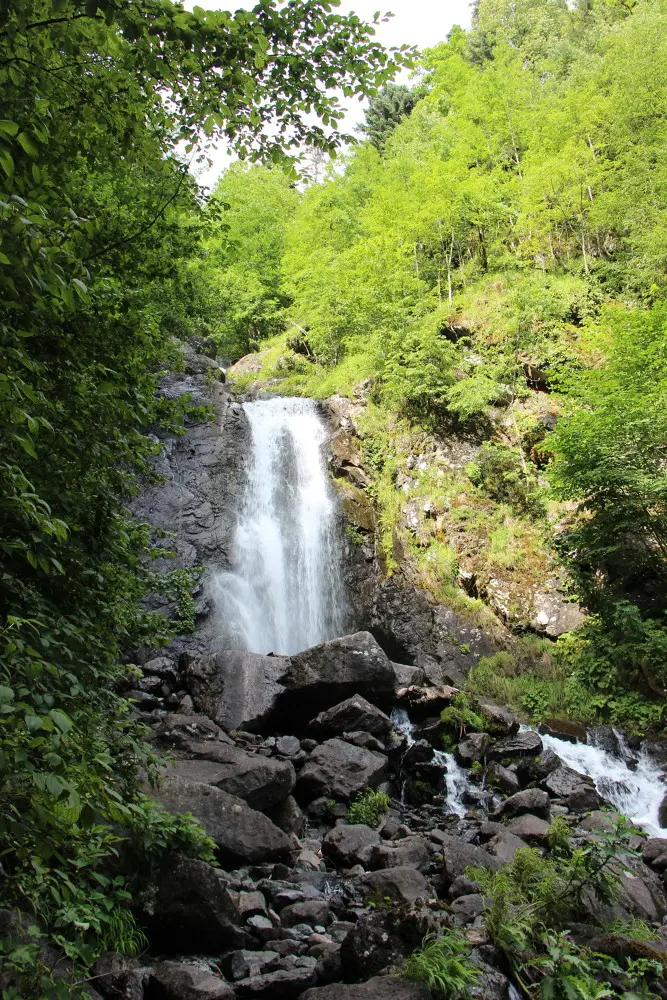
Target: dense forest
[
  {"x": 487, "y": 256},
  {"x": 492, "y": 258}
]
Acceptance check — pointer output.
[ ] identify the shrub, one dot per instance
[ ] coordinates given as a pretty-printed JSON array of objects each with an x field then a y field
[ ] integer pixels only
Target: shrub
[
  {"x": 443, "y": 965},
  {"x": 459, "y": 718},
  {"x": 369, "y": 807}
]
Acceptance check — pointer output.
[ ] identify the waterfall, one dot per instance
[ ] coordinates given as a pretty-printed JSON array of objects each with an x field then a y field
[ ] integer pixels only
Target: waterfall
[
  {"x": 456, "y": 780},
  {"x": 283, "y": 591},
  {"x": 633, "y": 783}
]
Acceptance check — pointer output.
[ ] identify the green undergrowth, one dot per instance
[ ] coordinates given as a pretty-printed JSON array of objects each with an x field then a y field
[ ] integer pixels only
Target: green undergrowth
[{"x": 369, "y": 807}]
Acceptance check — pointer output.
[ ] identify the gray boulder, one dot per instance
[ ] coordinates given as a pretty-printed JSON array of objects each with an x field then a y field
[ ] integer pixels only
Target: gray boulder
[
  {"x": 287, "y": 983},
  {"x": 338, "y": 669},
  {"x": 194, "y": 910},
  {"x": 339, "y": 770},
  {"x": 262, "y": 781},
  {"x": 457, "y": 856},
  {"x": 472, "y": 748},
  {"x": 288, "y": 816},
  {"x": 238, "y": 690},
  {"x": 402, "y": 885},
  {"x": 177, "y": 981},
  {"x": 530, "y": 828},
  {"x": 243, "y": 835},
  {"x": 350, "y": 845},
  {"x": 378, "y": 988},
  {"x": 503, "y": 778},
  {"x": 309, "y": 911},
  {"x": 501, "y": 842},
  {"x": 349, "y": 716},
  {"x": 530, "y": 800},
  {"x": 564, "y": 780},
  {"x": 411, "y": 852},
  {"x": 526, "y": 744}
]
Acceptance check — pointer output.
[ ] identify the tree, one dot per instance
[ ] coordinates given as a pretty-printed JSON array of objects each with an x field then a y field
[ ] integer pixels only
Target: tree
[{"x": 385, "y": 110}]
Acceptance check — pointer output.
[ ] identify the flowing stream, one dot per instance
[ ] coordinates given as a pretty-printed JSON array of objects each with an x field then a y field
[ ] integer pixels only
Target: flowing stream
[{"x": 283, "y": 592}]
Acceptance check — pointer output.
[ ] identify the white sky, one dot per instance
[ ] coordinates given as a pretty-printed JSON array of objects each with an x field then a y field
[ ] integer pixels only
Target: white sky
[{"x": 416, "y": 22}]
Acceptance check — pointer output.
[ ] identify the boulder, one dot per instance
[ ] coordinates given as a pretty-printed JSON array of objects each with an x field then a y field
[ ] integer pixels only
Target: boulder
[
  {"x": 238, "y": 690},
  {"x": 177, "y": 981},
  {"x": 339, "y": 770},
  {"x": 564, "y": 780},
  {"x": 288, "y": 816},
  {"x": 402, "y": 885},
  {"x": 385, "y": 937},
  {"x": 563, "y": 729},
  {"x": 175, "y": 729},
  {"x": 530, "y": 800},
  {"x": 285, "y": 983},
  {"x": 350, "y": 845},
  {"x": 194, "y": 909},
  {"x": 583, "y": 798},
  {"x": 243, "y": 835},
  {"x": 120, "y": 978},
  {"x": 547, "y": 762},
  {"x": 457, "y": 856},
  {"x": 503, "y": 778},
  {"x": 411, "y": 852},
  {"x": 654, "y": 852},
  {"x": 341, "y": 668},
  {"x": 378, "y": 988},
  {"x": 407, "y": 676},
  {"x": 262, "y": 781},
  {"x": 242, "y": 964},
  {"x": 501, "y": 842},
  {"x": 349, "y": 716},
  {"x": 309, "y": 911},
  {"x": 662, "y": 812},
  {"x": 471, "y": 749},
  {"x": 500, "y": 720},
  {"x": 607, "y": 739},
  {"x": 526, "y": 744},
  {"x": 531, "y": 829},
  {"x": 467, "y": 908}
]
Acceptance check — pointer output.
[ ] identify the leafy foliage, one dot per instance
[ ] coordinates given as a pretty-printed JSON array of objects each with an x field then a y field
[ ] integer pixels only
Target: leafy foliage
[
  {"x": 444, "y": 966},
  {"x": 369, "y": 807}
]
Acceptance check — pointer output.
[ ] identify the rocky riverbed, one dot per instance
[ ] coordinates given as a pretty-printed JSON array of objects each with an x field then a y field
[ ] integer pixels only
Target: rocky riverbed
[{"x": 269, "y": 751}]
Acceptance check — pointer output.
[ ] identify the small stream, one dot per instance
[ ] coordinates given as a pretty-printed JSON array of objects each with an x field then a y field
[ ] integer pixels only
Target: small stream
[{"x": 633, "y": 783}]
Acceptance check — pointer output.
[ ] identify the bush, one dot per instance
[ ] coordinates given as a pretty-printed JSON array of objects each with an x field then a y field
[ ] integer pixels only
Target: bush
[
  {"x": 503, "y": 474},
  {"x": 460, "y": 718},
  {"x": 369, "y": 807},
  {"x": 443, "y": 965}
]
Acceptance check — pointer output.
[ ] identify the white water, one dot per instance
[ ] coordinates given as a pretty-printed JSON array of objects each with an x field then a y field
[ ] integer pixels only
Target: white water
[
  {"x": 635, "y": 793},
  {"x": 283, "y": 592},
  {"x": 456, "y": 781}
]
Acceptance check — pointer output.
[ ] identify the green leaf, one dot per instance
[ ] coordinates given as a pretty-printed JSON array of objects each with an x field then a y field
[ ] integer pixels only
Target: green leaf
[
  {"x": 62, "y": 721},
  {"x": 8, "y": 128},
  {"x": 33, "y": 722},
  {"x": 54, "y": 785},
  {"x": 28, "y": 143}
]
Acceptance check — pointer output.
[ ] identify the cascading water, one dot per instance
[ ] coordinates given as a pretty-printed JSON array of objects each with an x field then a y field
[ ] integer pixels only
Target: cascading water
[
  {"x": 636, "y": 790},
  {"x": 456, "y": 781},
  {"x": 283, "y": 592}
]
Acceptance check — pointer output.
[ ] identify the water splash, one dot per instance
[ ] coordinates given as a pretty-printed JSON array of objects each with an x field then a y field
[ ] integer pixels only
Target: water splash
[
  {"x": 636, "y": 790},
  {"x": 283, "y": 592},
  {"x": 455, "y": 778}
]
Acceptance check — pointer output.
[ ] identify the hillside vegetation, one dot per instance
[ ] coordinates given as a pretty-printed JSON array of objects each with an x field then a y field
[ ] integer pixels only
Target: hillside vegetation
[{"x": 490, "y": 265}]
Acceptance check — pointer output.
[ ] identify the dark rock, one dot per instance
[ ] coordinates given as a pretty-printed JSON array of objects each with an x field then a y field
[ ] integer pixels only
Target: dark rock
[
  {"x": 662, "y": 812},
  {"x": 526, "y": 744},
  {"x": 563, "y": 729},
  {"x": 500, "y": 720},
  {"x": 341, "y": 668},
  {"x": 351, "y": 715},
  {"x": 288, "y": 816},
  {"x": 583, "y": 798},
  {"x": 162, "y": 666},
  {"x": 654, "y": 852},
  {"x": 262, "y": 781},
  {"x": 466, "y": 908},
  {"x": 399, "y": 884},
  {"x": 120, "y": 978},
  {"x": 411, "y": 852},
  {"x": 530, "y": 800},
  {"x": 463, "y": 886},
  {"x": 547, "y": 762},
  {"x": 175, "y": 729},
  {"x": 606, "y": 738},
  {"x": 378, "y": 988},
  {"x": 457, "y": 856},
  {"x": 242, "y": 835},
  {"x": 430, "y": 731},
  {"x": 502, "y": 842},
  {"x": 530, "y": 828},
  {"x": 383, "y": 939},
  {"x": 598, "y": 820},
  {"x": 238, "y": 690},
  {"x": 310, "y": 911},
  {"x": 503, "y": 778},
  {"x": 288, "y": 746},
  {"x": 407, "y": 676},
  {"x": 491, "y": 985},
  {"x": 350, "y": 845},
  {"x": 339, "y": 770},
  {"x": 284, "y": 983},
  {"x": 177, "y": 981},
  {"x": 471, "y": 749},
  {"x": 362, "y": 739},
  {"x": 563, "y": 781},
  {"x": 242, "y": 964},
  {"x": 194, "y": 909},
  {"x": 420, "y": 752}
]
